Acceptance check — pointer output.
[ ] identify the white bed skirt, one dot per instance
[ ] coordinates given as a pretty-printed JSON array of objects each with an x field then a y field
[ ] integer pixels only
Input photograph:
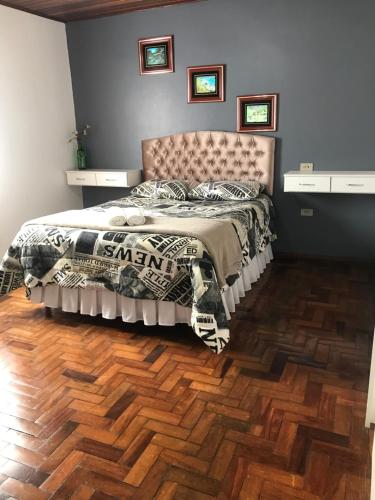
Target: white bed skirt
[{"x": 94, "y": 301}]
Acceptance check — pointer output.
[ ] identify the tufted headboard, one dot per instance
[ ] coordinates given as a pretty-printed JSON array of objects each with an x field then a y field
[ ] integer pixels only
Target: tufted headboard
[{"x": 210, "y": 155}]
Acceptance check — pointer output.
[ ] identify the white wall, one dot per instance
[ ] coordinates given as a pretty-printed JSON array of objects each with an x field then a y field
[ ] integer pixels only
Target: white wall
[{"x": 36, "y": 119}]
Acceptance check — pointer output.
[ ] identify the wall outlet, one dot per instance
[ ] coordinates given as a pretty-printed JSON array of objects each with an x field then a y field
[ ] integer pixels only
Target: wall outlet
[
  {"x": 306, "y": 167},
  {"x": 307, "y": 212}
]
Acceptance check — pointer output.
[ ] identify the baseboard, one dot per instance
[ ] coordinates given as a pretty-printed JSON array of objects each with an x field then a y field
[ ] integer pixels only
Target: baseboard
[{"x": 328, "y": 258}]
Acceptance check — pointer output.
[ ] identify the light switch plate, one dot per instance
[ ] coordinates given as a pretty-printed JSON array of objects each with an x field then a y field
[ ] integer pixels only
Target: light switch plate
[
  {"x": 306, "y": 167},
  {"x": 307, "y": 212}
]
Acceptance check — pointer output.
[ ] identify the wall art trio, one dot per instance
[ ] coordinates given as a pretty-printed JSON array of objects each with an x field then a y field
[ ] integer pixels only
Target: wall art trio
[{"x": 255, "y": 113}]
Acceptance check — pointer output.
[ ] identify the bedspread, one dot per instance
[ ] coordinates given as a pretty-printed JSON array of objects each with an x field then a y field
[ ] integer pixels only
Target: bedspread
[
  {"x": 146, "y": 265},
  {"x": 219, "y": 236}
]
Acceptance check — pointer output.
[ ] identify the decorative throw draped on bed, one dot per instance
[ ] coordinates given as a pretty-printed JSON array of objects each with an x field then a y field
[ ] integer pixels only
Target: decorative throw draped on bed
[{"x": 186, "y": 252}]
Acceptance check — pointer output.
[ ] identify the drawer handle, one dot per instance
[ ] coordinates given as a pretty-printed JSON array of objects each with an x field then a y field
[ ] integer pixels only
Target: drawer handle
[
  {"x": 80, "y": 179},
  {"x": 110, "y": 180},
  {"x": 306, "y": 184},
  {"x": 355, "y": 185}
]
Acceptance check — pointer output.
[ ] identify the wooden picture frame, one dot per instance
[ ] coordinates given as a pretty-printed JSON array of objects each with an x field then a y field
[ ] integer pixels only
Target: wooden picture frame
[
  {"x": 206, "y": 83},
  {"x": 156, "y": 55},
  {"x": 257, "y": 113}
]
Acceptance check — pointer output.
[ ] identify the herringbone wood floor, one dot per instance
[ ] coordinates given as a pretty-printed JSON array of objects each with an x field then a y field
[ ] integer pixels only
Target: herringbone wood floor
[{"x": 103, "y": 410}]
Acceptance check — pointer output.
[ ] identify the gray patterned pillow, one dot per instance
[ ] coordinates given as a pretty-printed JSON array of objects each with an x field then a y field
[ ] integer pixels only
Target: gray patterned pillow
[
  {"x": 168, "y": 189},
  {"x": 226, "y": 190}
]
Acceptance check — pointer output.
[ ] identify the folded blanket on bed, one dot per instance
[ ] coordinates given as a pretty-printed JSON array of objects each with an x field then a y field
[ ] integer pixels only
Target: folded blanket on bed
[{"x": 219, "y": 236}]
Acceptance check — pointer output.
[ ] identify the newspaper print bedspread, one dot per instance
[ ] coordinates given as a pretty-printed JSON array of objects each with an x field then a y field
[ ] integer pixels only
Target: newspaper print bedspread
[{"x": 140, "y": 265}]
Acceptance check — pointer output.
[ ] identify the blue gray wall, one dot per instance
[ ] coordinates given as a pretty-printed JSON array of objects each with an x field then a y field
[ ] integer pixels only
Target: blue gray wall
[{"x": 318, "y": 54}]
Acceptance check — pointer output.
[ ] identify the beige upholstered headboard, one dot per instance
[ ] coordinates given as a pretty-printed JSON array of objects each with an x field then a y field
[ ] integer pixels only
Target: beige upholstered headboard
[{"x": 210, "y": 155}]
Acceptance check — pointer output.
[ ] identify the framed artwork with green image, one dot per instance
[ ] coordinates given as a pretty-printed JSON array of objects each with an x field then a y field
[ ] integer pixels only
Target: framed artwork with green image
[
  {"x": 206, "y": 83},
  {"x": 156, "y": 55},
  {"x": 257, "y": 112}
]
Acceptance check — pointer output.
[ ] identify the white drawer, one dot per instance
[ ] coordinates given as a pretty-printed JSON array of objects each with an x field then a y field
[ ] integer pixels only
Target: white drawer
[
  {"x": 81, "y": 178},
  {"x": 352, "y": 184},
  {"x": 110, "y": 178},
  {"x": 307, "y": 183}
]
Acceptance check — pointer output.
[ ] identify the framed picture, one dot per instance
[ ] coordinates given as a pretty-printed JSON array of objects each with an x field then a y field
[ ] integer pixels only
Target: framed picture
[
  {"x": 257, "y": 113},
  {"x": 206, "y": 83},
  {"x": 156, "y": 55}
]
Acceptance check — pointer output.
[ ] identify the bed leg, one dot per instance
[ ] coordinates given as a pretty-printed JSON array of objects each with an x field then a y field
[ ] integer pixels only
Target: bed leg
[{"x": 48, "y": 312}]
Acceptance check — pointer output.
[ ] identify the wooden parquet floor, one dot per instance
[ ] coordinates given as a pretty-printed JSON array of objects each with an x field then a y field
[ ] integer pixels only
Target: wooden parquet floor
[{"x": 101, "y": 410}]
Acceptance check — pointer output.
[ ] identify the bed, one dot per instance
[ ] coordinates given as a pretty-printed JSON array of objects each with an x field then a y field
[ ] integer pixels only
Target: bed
[{"x": 189, "y": 263}]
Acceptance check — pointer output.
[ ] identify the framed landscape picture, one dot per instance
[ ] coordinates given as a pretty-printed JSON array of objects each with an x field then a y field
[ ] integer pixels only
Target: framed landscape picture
[
  {"x": 156, "y": 55},
  {"x": 257, "y": 113},
  {"x": 206, "y": 83}
]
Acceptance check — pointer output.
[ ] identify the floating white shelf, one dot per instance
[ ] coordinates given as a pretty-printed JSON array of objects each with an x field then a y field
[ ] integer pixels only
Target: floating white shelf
[
  {"x": 105, "y": 178},
  {"x": 344, "y": 181}
]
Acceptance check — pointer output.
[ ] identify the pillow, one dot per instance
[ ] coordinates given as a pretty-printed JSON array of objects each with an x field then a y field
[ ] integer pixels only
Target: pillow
[
  {"x": 226, "y": 190},
  {"x": 168, "y": 189}
]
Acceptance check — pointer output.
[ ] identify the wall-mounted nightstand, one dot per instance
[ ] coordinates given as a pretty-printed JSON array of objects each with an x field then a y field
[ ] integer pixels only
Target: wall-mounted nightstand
[
  {"x": 104, "y": 178},
  {"x": 344, "y": 181}
]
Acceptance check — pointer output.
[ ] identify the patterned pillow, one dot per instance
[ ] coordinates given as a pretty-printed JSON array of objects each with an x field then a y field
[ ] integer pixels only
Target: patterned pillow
[
  {"x": 168, "y": 189},
  {"x": 226, "y": 190}
]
